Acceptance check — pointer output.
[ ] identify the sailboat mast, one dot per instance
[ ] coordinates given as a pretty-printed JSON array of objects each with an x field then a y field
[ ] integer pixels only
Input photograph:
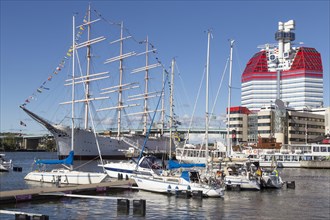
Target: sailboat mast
[
  {"x": 120, "y": 90},
  {"x": 229, "y": 97},
  {"x": 207, "y": 96},
  {"x": 87, "y": 94},
  {"x": 171, "y": 106},
  {"x": 146, "y": 78},
  {"x": 73, "y": 84},
  {"x": 163, "y": 104}
]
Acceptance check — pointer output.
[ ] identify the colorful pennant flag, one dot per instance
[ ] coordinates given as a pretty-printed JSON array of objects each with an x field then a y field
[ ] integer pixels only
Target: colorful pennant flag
[{"x": 59, "y": 67}]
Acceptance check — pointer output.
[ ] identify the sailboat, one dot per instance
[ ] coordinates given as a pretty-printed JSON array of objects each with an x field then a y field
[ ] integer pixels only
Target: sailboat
[
  {"x": 180, "y": 176},
  {"x": 189, "y": 153},
  {"x": 238, "y": 171},
  {"x": 117, "y": 139},
  {"x": 66, "y": 175},
  {"x": 147, "y": 165},
  {"x": 242, "y": 175}
]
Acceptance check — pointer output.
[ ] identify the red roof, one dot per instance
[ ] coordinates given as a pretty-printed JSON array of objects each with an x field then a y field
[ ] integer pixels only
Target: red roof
[
  {"x": 307, "y": 59},
  {"x": 307, "y": 63},
  {"x": 239, "y": 110}
]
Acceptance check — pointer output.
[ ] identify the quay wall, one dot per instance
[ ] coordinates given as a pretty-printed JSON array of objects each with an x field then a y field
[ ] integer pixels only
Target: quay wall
[{"x": 315, "y": 164}]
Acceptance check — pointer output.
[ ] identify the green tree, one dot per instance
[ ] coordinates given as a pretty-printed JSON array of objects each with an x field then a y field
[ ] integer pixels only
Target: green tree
[
  {"x": 48, "y": 143},
  {"x": 9, "y": 142}
]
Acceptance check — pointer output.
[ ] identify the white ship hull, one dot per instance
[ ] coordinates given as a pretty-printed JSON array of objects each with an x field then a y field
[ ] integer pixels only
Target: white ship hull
[
  {"x": 284, "y": 164},
  {"x": 291, "y": 157},
  {"x": 85, "y": 142}
]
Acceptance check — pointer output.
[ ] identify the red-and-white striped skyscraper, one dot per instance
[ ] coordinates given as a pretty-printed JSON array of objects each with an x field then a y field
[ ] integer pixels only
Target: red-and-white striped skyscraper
[{"x": 282, "y": 71}]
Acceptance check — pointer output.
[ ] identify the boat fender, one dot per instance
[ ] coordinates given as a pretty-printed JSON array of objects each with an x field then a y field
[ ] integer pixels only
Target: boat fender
[
  {"x": 169, "y": 188},
  {"x": 291, "y": 185},
  {"x": 17, "y": 169},
  {"x": 177, "y": 190},
  {"x": 58, "y": 181}
]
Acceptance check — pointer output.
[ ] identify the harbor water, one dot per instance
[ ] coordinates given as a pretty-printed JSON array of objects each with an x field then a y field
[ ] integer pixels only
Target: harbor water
[{"x": 309, "y": 200}]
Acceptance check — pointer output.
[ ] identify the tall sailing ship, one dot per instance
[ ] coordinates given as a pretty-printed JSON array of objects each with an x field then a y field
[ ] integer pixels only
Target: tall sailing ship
[{"x": 114, "y": 142}]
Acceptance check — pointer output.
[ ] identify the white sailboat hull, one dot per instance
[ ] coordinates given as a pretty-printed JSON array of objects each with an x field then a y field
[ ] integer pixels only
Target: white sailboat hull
[
  {"x": 147, "y": 166},
  {"x": 3, "y": 168},
  {"x": 242, "y": 181},
  {"x": 272, "y": 181},
  {"x": 126, "y": 169},
  {"x": 66, "y": 177},
  {"x": 163, "y": 184},
  {"x": 5, "y": 165}
]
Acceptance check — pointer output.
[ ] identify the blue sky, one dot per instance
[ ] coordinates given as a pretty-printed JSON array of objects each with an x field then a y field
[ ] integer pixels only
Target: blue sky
[{"x": 36, "y": 34}]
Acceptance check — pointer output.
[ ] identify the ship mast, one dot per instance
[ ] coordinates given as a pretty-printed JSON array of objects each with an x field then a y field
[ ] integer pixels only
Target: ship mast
[
  {"x": 146, "y": 77},
  {"x": 146, "y": 95},
  {"x": 87, "y": 93},
  {"x": 85, "y": 79},
  {"x": 120, "y": 91},
  {"x": 121, "y": 86}
]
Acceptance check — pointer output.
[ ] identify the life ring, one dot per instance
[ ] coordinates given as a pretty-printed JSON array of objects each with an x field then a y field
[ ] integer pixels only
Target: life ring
[
  {"x": 255, "y": 151},
  {"x": 250, "y": 151}
]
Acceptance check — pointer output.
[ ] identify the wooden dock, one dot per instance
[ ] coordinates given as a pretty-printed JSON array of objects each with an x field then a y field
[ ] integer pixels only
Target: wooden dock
[{"x": 26, "y": 195}]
